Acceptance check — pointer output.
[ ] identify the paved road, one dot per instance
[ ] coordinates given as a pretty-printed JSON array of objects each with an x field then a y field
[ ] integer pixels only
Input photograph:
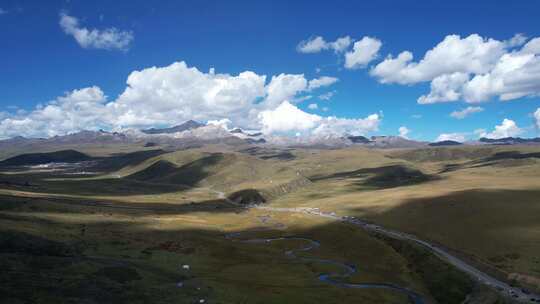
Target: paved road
[{"x": 505, "y": 289}]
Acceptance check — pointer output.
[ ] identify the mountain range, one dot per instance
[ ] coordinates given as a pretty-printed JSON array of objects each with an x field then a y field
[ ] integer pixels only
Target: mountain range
[
  {"x": 188, "y": 125},
  {"x": 193, "y": 133}
]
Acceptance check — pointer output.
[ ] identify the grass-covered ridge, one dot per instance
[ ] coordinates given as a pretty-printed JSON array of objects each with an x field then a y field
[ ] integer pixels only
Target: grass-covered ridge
[
  {"x": 132, "y": 224},
  {"x": 63, "y": 156},
  {"x": 382, "y": 177}
]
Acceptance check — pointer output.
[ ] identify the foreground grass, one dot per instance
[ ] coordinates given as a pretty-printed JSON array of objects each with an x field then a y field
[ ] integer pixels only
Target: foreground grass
[
  {"x": 63, "y": 253},
  {"x": 132, "y": 227},
  {"x": 486, "y": 211}
]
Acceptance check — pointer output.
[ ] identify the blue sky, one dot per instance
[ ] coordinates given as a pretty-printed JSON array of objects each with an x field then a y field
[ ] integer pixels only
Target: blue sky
[{"x": 40, "y": 60}]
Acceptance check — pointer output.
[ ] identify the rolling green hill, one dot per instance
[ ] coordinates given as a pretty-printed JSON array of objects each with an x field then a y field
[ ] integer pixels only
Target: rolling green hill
[
  {"x": 63, "y": 156},
  {"x": 146, "y": 213}
]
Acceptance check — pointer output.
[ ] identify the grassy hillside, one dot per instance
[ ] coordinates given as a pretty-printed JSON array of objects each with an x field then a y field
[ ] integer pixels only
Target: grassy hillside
[
  {"x": 132, "y": 223},
  {"x": 484, "y": 208},
  {"x": 114, "y": 254},
  {"x": 63, "y": 156},
  {"x": 189, "y": 174}
]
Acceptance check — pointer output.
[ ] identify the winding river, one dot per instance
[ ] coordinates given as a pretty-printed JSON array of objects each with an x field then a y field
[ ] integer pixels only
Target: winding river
[
  {"x": 517, "y": 294},
  {"x": 334, "y": 278}
]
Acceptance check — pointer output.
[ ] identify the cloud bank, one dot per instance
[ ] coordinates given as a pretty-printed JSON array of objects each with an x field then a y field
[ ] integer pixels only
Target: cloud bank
[
  {"x": 75, "y": 111},
  {"x": 164, "y": 96},
  {"x": 508, "y": 128},
  {"x": 459, "y": 137},
  {"x": 473, "y": 69}
]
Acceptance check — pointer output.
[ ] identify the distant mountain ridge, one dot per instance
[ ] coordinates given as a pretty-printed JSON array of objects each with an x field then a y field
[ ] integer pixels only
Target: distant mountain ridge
[
  {"x": 445, "y": 143},
  {"x": 358, "y": 139},
  {"x": 395, "y": 142},
  {"x": 192, "y": 134},
  {"x": 188, "y": 125},
  {"x": 510, "y": 140}
]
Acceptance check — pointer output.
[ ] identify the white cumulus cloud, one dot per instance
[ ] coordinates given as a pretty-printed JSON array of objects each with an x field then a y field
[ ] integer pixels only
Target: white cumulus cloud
[
  {"x": 284, "y": 87},
  {"x": 165, "y": 96},
  {"x": 364, "y": 51},
  {"x": 472, "y": 54},
  {"x": 473, "y": 69},
  {"x": 466, "y": 112},
  {"x": 341, "y": 44},
  {"x": 313, "y": 106},
  {"x": 110, "y": 38},
  {"x": 516, "y": 75},
  {"x": 459, "y": 137},
  {"x": 537, "y": 118},
  {"x": 175, "y": 93},
  {"x": 313, "y": 45},
  {"x": 335, "y": 126},
  {"x": 403, "y": 131},
  {"x": 287, "y": 118},
  {"x": 508, "y": 128},
  {"x": 445, "y": 88},
  {"x": 318, "y": 44},
  {"x": 77, "y": 110},
  {"x": 321, "y": 82},
  {"x": 517, "y": 40}
]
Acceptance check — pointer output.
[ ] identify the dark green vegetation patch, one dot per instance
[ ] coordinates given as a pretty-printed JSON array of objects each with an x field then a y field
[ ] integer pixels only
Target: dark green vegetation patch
[
  {"x": 382, "y": 177},
  {"x": 247, "y": 197},
  {"x": 189, "y": 174},
  {"x": 443, "y": 154},
  {"x": 500, "y": 159},
  {"x": 64, "y": 156},
  {"x": 120, "y": 274},
  {"x": 24, "y": 243},
  {"x": 121, "y": 160},
  {"x": 269, "y": 153},
  {"x": 444, "y": 282}
]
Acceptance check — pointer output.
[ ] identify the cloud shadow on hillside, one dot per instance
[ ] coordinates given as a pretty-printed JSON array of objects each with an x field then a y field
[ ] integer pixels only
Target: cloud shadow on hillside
[
  {"x": 384, "y": 177},
  {"x": 505, "y": 158},
  {"x": 159, "y": 178}
]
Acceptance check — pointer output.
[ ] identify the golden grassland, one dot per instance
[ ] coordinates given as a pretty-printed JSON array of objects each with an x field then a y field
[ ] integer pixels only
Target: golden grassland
[
  {"x": 122, "y": 235},
  {"x": 489, "y": 213},
  {"x": 148, "y": 247}
]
